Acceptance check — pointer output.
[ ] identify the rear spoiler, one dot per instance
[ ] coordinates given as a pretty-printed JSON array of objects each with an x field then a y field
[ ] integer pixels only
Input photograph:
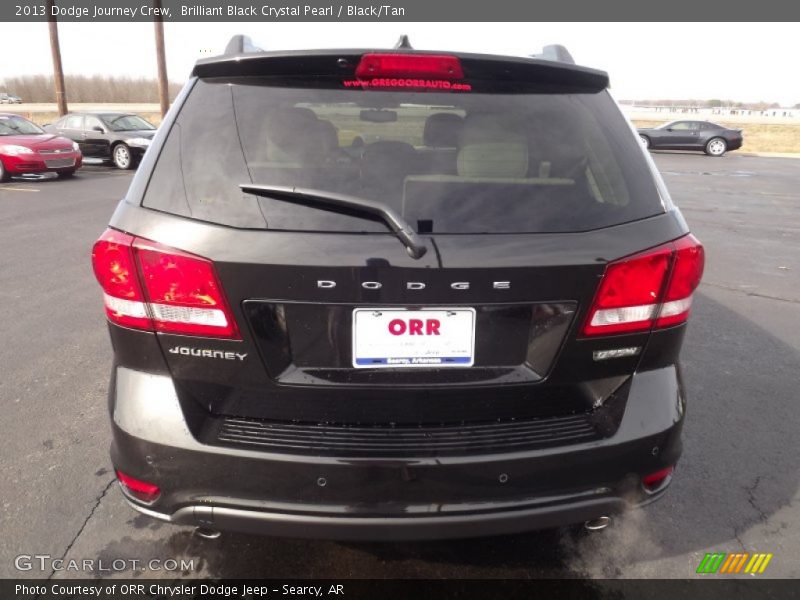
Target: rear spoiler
[{"x": 338, "y": 64}]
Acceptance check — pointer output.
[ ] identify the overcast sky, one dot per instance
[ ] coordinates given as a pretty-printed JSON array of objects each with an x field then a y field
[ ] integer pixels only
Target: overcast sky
[{"x": 745, "y": 62}]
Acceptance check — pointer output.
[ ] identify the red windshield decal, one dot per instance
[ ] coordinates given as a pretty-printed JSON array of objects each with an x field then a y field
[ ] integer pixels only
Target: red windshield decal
[{"x": 408, "y": 82}]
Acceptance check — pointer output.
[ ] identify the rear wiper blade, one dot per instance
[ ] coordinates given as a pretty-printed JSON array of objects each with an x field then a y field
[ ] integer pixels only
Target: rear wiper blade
[{"x": 344, "y": 204}]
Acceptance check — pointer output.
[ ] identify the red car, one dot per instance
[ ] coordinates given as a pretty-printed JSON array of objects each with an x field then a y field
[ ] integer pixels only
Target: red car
[{"x": 27, "y": 148}]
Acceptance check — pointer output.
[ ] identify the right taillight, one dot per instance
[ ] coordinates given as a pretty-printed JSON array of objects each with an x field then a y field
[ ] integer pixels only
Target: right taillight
[
  {"x": 687, "y": 270},
  {"x": 153, "y": 287},
  {"x": 650, "y": 289}
]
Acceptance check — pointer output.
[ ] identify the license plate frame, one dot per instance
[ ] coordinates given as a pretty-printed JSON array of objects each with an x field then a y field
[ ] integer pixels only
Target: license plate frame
[{"x": 376, "y": 349}]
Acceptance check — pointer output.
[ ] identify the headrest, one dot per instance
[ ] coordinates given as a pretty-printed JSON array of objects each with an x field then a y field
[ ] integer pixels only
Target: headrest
[
  {"x": 442, "y": 130},
  {"x": 296, "y": 135},
  {"x": 327, "y": 131},
  {"x": 491, "y": 146}
]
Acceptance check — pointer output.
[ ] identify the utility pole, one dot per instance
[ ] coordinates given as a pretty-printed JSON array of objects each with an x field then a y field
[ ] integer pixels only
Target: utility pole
[
  {"x": 58, "y": 71},
  {"x": 163, "y": 83}
]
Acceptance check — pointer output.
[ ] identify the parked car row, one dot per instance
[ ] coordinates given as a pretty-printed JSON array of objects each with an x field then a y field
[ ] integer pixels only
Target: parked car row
[{"x": 26, "y": 148}]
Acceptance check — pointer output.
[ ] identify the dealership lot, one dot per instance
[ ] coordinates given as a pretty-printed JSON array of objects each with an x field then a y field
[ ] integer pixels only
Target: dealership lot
[{"x": 736, "y": 488}]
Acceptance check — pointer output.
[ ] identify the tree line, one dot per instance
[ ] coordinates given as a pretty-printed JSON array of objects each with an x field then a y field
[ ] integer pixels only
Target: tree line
[{"x": 87, "y": 88}]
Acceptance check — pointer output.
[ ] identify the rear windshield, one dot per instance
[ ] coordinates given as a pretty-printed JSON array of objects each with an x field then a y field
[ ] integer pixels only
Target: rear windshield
[{"x": 448, "y": 162}]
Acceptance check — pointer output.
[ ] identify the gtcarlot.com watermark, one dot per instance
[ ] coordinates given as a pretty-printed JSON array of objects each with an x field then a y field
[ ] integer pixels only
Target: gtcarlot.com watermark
[{"x": 46, "y": 563}]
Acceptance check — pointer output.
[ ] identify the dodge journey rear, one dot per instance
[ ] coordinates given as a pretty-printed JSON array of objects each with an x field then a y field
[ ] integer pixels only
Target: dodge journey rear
[{"x": 392, "y": 294}]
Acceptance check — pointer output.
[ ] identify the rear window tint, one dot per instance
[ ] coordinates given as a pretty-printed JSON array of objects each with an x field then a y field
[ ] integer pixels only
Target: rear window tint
[{"x": 448, "y": 162}]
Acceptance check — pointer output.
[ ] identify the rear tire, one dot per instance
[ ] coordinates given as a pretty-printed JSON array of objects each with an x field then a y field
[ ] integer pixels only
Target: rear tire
[
  {"x": 645, "y": 141},
  {"x": 122, "y": 157},
  {"x": 4, "y": 176},
  {"x": 66, "y": 174},
  {"x": 716, "y": 147}
]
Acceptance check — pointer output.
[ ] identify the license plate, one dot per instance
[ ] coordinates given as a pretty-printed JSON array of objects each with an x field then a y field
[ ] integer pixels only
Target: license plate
[{"x": 402, "y": 338}]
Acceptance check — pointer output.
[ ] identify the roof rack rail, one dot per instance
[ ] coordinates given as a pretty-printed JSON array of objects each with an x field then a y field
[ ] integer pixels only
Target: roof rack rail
[
  {"x": 556, "y": 53},
  {"x": 241, "y": 44}
]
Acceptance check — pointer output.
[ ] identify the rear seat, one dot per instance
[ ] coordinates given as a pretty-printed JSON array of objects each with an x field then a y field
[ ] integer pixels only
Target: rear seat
[{"x": 493, "y": 159}]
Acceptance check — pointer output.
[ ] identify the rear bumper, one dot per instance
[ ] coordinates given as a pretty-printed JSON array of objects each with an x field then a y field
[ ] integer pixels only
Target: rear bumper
[
  {"x": 735, "y": 143},
  {"x": 399, "y": 499},
  {"x": 483, "y": 524}
]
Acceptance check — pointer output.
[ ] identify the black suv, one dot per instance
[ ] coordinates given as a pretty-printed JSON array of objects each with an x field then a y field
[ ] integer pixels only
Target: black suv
[{"x": 390, "y": 294}]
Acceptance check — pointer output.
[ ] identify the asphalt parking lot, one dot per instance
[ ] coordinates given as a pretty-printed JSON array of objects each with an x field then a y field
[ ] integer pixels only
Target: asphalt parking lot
[{"x": 736, "y": 488}]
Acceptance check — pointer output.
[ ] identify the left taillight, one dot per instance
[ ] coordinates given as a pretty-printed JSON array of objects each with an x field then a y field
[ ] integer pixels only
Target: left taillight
[
  {"x": 153, "y": 287},
  {"x": 115, "y": 270},
  {"x": 650, "y": 289},
  {"x": 142, "y": 491}
]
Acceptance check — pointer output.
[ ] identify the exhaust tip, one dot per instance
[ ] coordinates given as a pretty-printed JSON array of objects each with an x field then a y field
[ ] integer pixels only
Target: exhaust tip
[
  {"x": 597, "y": 524},
  {"x": 207, "y": 533}
]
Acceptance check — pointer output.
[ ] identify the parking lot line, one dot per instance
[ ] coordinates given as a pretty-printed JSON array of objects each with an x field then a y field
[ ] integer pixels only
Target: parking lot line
[
  {"x": 103, "y": 173},
  {"x": 16, "y": 189}
]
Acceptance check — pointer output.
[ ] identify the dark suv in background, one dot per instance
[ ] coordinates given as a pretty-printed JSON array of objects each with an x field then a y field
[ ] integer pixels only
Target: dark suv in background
[{"x": 376, "y": 294}]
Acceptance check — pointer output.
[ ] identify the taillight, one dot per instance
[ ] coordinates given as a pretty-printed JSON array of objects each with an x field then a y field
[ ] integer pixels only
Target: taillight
[
  {"x": 438, "y": 66},
  {"x": 183, "y": 292},
  {"x": 141, "y": 490},
  {"x": 153, "y": 287},
  {"x": 650, "y": 289},
  {"x": 115, "y": 269},
  {"x": 686, "y": 274}
]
